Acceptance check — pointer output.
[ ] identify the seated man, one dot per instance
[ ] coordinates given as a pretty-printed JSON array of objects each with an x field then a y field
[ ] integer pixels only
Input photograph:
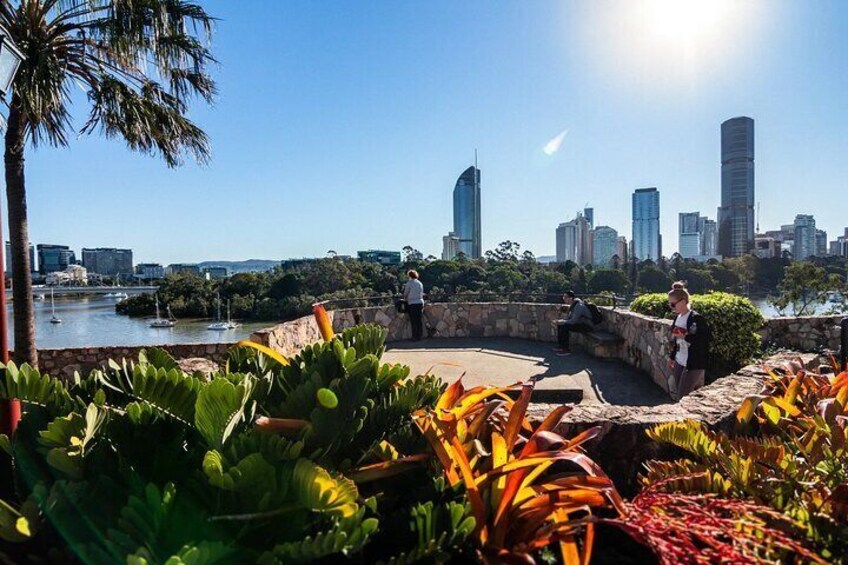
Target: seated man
[{"x": 579, "y": 319}]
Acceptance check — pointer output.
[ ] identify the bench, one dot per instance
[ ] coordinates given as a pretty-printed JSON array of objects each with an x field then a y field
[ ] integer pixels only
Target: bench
[{"x": 598, "y": 343}]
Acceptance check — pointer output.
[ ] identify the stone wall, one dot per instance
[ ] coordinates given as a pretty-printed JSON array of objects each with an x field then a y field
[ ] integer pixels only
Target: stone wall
[
  {"x": 290, "y": 337},
  {"x": 812, "y": 333},
  {"x": 66, "y": 361}
]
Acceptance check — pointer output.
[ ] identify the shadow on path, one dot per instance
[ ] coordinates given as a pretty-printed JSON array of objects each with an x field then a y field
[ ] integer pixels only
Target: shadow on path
[{"x": 505, "y": 361}]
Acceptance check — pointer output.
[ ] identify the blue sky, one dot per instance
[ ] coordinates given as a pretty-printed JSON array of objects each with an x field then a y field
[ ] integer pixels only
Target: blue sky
[{"x": 343, "y": 125}]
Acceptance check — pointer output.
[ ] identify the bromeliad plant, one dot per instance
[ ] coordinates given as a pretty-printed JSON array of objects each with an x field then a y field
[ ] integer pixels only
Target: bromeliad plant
[
  {"x": 790, "y": 454},
  {"x": 528, "y": 487}
]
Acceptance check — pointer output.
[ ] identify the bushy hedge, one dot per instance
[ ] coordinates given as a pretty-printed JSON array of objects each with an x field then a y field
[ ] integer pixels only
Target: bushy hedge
[{"x": 733, "y": 319}]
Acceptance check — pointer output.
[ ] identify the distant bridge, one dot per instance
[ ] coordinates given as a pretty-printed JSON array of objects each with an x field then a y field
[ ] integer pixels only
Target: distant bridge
[{"x": 100, "y": 290}]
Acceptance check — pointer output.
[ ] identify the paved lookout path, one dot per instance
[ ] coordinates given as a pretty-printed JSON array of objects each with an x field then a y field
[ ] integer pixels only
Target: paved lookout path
[{"x": 504, "y": 361}]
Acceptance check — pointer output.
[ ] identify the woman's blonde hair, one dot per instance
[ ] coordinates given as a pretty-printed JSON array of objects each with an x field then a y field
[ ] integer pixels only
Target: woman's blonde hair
[{"x": 678, "y": 291}]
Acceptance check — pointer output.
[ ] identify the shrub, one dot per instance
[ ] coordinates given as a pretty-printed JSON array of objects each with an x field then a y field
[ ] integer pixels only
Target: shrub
[
  {"x": 733, "y": 319},
  {"x": 789, "y": 452}
]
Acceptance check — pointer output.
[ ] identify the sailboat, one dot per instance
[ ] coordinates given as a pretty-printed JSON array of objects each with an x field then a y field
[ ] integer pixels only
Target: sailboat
[
  {"x": 54, "y": 319},
  {"x": 230, "y": 323},
  {"x": 160, "y": 322},
  {"x": 219, "y": 325}
]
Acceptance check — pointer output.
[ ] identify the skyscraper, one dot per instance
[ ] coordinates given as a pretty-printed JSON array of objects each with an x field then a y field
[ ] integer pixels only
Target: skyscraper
[
  {"x": 450, "y": 246},
  {"x": 821, "y": 243},
  {"x": 709, "y": 237},
  {"x": 574, "y": 241},
  {"x": 736, "y": 213},
  {"x": 805, "y": 236},
  {"x": 604, "y": 246},
  {"x": 690, "y": 236},
  {"x": 466, "y": 212},
  {"x": 646, "y": 224}
]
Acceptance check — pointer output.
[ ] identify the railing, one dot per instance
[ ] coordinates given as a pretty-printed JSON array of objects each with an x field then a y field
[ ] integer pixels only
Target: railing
[{"x": 611, "y": 300}]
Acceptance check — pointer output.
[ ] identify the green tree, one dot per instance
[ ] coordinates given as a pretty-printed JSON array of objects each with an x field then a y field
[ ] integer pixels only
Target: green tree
[
  {"x": 608, "y": 280},
  {"x": 804, "y": 287},
  {"x": 140, "y": 64},
  {"x": 505, "y": 251},
  {"x": 652, "y": 279}
]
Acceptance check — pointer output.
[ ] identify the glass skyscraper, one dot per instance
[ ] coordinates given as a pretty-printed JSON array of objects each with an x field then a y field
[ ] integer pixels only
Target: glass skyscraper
[
  {"x": 736, "y": 213},
  {"x": 466, "y": 212},
  {"x": 646, "y": 224}
]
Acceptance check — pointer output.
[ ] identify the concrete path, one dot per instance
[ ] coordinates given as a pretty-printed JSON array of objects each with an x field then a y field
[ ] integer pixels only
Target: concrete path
[{"x": 505, "y": 361}]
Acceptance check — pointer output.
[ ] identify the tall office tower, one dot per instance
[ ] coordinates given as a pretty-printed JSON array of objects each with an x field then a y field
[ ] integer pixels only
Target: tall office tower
[
  {"x": 574, "y": 241},
  {"x": 466, "y": 212},
  {"x": 690, "y": 235},
  {"x": 646, "y": 224},
  {"x": 709, "y": 237},
  {"x": 604, "y": 246},
  {"x": 589, "y": 214},
  {"x": 566, "y": 242},
  {"x": 821, "y": 243},
  {"x": 450, "y": 246},
  {"x": 805, "y": 236},
  {"x": 621, "y": 250},
  {"x": 736, "y": 213}
]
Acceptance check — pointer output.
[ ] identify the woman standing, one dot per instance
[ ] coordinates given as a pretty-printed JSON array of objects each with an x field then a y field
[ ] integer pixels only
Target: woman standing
[
  {"x": 413, "y": 294},
  {"x": 690, "y": 342}
]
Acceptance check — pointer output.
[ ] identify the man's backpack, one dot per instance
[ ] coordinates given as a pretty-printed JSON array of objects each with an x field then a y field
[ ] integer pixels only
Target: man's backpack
[{"x": 597, "y": 318}]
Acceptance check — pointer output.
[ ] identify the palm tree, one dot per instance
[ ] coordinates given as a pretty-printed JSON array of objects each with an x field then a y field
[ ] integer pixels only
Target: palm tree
[{"x": 140, "y": 62}]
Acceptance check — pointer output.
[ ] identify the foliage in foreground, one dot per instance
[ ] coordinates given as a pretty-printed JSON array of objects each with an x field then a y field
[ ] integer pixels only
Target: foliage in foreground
[
  {"x": 145, "y": 463},
  {"x": 734, "y": 321},
  {"x": 791, "y": 453}
]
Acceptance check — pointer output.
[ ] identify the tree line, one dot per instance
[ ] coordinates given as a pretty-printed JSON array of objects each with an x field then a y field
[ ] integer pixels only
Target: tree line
[{"x": 504, "y": 273}]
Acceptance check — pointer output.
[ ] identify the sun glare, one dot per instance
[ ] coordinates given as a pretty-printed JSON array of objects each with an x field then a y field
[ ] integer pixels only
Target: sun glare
[
  {"x": 657, "y": 42},
  {"x": 685, "y": 21}
]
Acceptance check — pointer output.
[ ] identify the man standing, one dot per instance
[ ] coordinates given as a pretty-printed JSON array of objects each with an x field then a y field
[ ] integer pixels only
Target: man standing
[
  {"x": 413, "y": 294},
  {"x": 579, "y": 319}
]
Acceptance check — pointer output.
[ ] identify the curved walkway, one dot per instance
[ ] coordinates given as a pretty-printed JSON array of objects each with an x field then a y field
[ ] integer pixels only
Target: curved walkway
[{"x": 505, "y": 361}]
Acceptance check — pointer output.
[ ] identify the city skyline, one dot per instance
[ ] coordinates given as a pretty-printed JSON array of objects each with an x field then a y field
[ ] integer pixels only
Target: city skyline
[{"x": 421, "y": 90}]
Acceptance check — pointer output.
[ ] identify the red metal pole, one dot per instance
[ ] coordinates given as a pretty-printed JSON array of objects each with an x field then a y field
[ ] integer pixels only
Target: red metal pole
[{"x": 10, "y": 409}]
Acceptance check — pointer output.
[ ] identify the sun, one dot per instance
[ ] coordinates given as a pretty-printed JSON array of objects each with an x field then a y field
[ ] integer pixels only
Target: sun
[
  {"x": 657, "y": 44},
  {"x": 683, "y": 22}
]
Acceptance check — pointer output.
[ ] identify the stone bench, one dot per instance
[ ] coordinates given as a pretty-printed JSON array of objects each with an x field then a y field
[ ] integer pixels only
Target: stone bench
[{"x": 598, "y": 343}]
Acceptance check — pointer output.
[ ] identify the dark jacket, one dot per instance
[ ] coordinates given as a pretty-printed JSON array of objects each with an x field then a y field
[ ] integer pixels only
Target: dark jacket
[
  {"x": 579, "y": 314},
  {"x": 698, "y": 335}
]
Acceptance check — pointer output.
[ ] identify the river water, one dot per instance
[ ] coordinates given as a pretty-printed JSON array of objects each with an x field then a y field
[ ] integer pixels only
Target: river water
[{"x": 91, "y": 321}]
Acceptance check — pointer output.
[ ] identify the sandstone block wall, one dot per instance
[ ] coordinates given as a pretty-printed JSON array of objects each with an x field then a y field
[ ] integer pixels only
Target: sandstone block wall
[
  {"x": 290, "y": 337},
  {"x": 811, "y": 333},
  {"x": 84, "y": 359}
]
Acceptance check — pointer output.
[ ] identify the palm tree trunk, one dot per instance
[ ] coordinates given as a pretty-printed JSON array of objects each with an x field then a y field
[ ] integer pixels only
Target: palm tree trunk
[{"x": 19, "y": 236}]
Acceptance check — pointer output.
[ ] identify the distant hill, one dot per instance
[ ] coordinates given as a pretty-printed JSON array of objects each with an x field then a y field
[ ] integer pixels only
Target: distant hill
[
  {"x": 247, "y": 266},
  {"x": 546, "y": 258}
]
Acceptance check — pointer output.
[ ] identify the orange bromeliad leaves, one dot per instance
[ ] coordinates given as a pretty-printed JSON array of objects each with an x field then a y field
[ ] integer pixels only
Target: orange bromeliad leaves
[
  {"x": 527, "y": 485},
  {"x": 323, "y": 320}
]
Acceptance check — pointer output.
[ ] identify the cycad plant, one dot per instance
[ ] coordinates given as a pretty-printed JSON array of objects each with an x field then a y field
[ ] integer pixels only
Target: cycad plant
[
  {"x": 261, "y": 461},
  {"x": 139, "y": 64}
]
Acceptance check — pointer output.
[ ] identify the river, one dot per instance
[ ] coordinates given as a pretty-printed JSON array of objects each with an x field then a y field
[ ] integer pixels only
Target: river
[{"x": 91, "y": 321}]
